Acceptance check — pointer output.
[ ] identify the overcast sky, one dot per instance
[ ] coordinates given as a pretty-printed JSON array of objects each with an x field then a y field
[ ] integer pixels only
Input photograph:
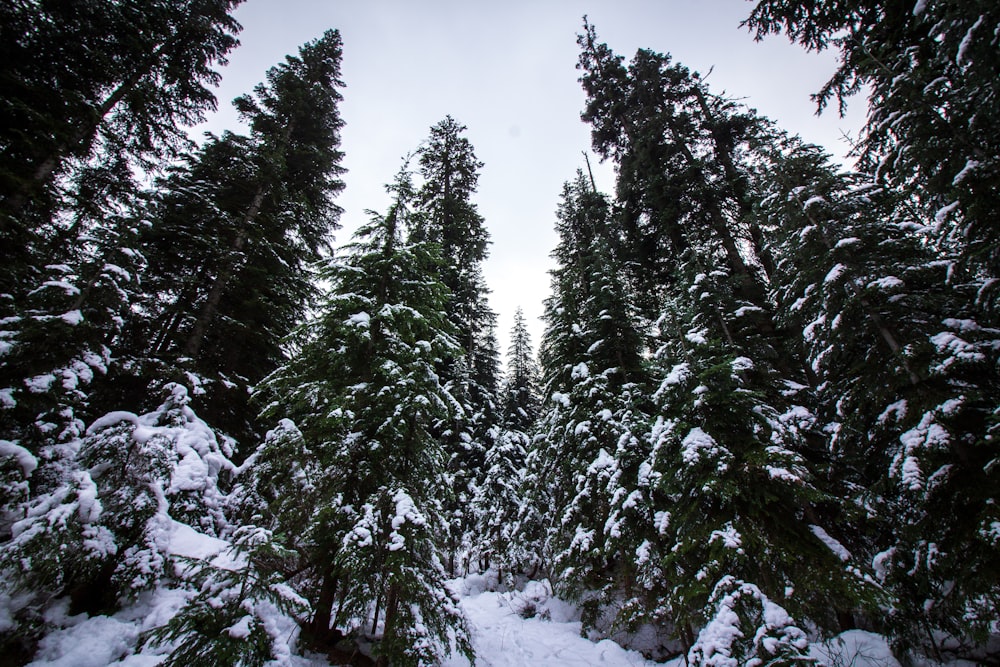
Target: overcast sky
[{"x": 506, "y": 70}]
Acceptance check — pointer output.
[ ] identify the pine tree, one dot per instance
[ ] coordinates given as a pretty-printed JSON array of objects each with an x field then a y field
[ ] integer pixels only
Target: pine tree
[
  {"x": 890, "y": 325},
  {"x": 591, "y": 359},
  {"x": 91, "y": 91},
  {"x": 450, "y": 172},
  {"x": 234, "y": 232},
  {"x": 365, "y": 392},
  {"x": 498, "y": 500}
]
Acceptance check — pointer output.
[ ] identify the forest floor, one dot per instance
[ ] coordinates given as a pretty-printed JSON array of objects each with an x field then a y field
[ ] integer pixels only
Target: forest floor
[{"x": 522, "y": 628}]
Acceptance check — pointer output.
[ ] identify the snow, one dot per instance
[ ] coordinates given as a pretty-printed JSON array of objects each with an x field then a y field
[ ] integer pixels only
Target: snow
[
  {"x": 678, "y": 374},
  {"x": 696, "y": 336},
  {"x": 969, "y": 167},
  {"x": 40, "y": 383},
  {"x": 503, "y": 637},
  {"x": 919, "y": 8},
  {"x": 696, "y": 444},
  {"x": 25, "y": 460},
  {"x": 72, "y": 317},
  {"x": 835, "y": 273},
  {"x": 886, "y": 283},
  {"x": 942, "y": 215},
  {"x": 833, "y": 545},
  {"x": 361, "y": 319},
  {"x": 963, "y": 47},
  {"x": 94, "y": 642},
  {"x": 854, "y": 647}
]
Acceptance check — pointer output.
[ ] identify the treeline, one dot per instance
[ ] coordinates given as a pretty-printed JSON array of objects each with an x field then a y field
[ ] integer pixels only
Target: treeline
[{"x": 766, "y": 398}]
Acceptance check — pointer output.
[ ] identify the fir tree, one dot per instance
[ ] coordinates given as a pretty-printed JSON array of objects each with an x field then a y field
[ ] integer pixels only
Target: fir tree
[
  {"x": 233, "y": 235},
  {"x": 91, "y": 91},
  {"x": 593, "y": 372},
  {"x": 498, "y": 498},
  {"x": 892, "y": 333},
  {"x": 931, "y": 70},
  {"x": 450, "y": 172},
  {"x": 365, "y": 393}
]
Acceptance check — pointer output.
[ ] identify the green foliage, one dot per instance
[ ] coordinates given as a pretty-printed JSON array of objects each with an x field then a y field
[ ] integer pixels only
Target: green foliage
[
  {"x": 231, "y": 620},
  {"x": 365, "y": 392},
  {"x": 748, "y": 629}
]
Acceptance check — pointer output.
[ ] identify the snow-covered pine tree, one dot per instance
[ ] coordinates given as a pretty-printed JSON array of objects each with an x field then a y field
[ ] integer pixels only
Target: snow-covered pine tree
[
  {"x": 449, "y": 170},
  {"x": 364, "y": 389},
  {"x": 726, "y": 489},
  {"x": 906, "y": 388},
  {"x": 234, "y": 232},
  {"x": 499, "y": 500},
  {"x": 593, "y": 418},
  {"x": 97, "y": 527}
]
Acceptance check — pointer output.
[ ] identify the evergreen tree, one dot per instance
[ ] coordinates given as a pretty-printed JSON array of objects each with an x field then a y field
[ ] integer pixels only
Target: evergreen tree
[
  {"x": 498, "y": 499},
  {"x": 907, "y": 390},
  {"x": 521, "y": 402},
  {"x": 97, "y": 526},
  {"x": 92, "y": 90},
  {"x": 234, "y": 232},
  {"x": 684, "y": 163},
  {"x": 931, "y": 72},
  {"x": 724, "y": 485},
  {"x": 450, "y": 172},
  {"x": 365, "y": 392},
  {"x": 591, "y": 358}
]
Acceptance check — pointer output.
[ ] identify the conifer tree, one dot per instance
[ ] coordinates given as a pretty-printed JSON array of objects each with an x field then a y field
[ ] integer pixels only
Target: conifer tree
[
  {"x": 907, "y": 390},
  {"x": 365, "y": 392},
  {"x": 723, "y": 486},
  {"x": 450, "y": 173},
  {"x": 93, "y": 90},
  {"x": 97, "y": 525},
  {"x": 932, "y": 126},
  {"x": 591, "y": 359},
  {"x": 498, "y": 500},
  {"x": 234, "y": 232}
]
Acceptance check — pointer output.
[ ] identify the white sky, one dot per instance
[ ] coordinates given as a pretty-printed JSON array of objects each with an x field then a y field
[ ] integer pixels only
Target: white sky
[{"x": 506, "y": 69}]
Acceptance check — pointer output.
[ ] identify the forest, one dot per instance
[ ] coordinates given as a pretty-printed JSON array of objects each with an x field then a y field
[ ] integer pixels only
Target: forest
[{"x": 765, "y": 409}]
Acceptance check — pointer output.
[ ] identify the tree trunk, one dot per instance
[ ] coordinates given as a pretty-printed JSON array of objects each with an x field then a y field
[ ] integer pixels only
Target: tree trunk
[
  {"x": 391, "y": 607},
  {"x": 319, "y": 628}
]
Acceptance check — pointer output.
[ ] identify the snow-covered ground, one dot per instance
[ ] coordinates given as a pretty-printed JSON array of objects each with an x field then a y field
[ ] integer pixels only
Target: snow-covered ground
[
  {"x": 528, "y": 627},
  {"x": 503, "y": 637}
]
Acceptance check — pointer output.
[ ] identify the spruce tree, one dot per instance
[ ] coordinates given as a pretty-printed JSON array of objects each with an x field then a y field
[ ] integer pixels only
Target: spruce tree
[
  {"x": 499, "y": 496},
  {"x": 906, "y": 389},
  {"x": 449, "y": 170},
  {"x": 233, "y": 234},
  {"x": 591, "y": 360},
  {"x": 931, "y": 70},
  {"x": 91, "y": 91},
  {"x": 365, "y": 392},
  {"x": 724, "y": 485}
]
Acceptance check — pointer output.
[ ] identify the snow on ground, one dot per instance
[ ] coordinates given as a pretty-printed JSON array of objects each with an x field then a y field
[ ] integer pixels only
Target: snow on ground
[
  {"x": 502, "y": 637},
  {"x": 528, "y": 627}
]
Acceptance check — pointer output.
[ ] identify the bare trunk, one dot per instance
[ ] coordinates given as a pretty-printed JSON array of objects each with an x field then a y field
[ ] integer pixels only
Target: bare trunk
[
  {"x": 320, "y": 625},
  {"x": 391, "y": 607}
]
